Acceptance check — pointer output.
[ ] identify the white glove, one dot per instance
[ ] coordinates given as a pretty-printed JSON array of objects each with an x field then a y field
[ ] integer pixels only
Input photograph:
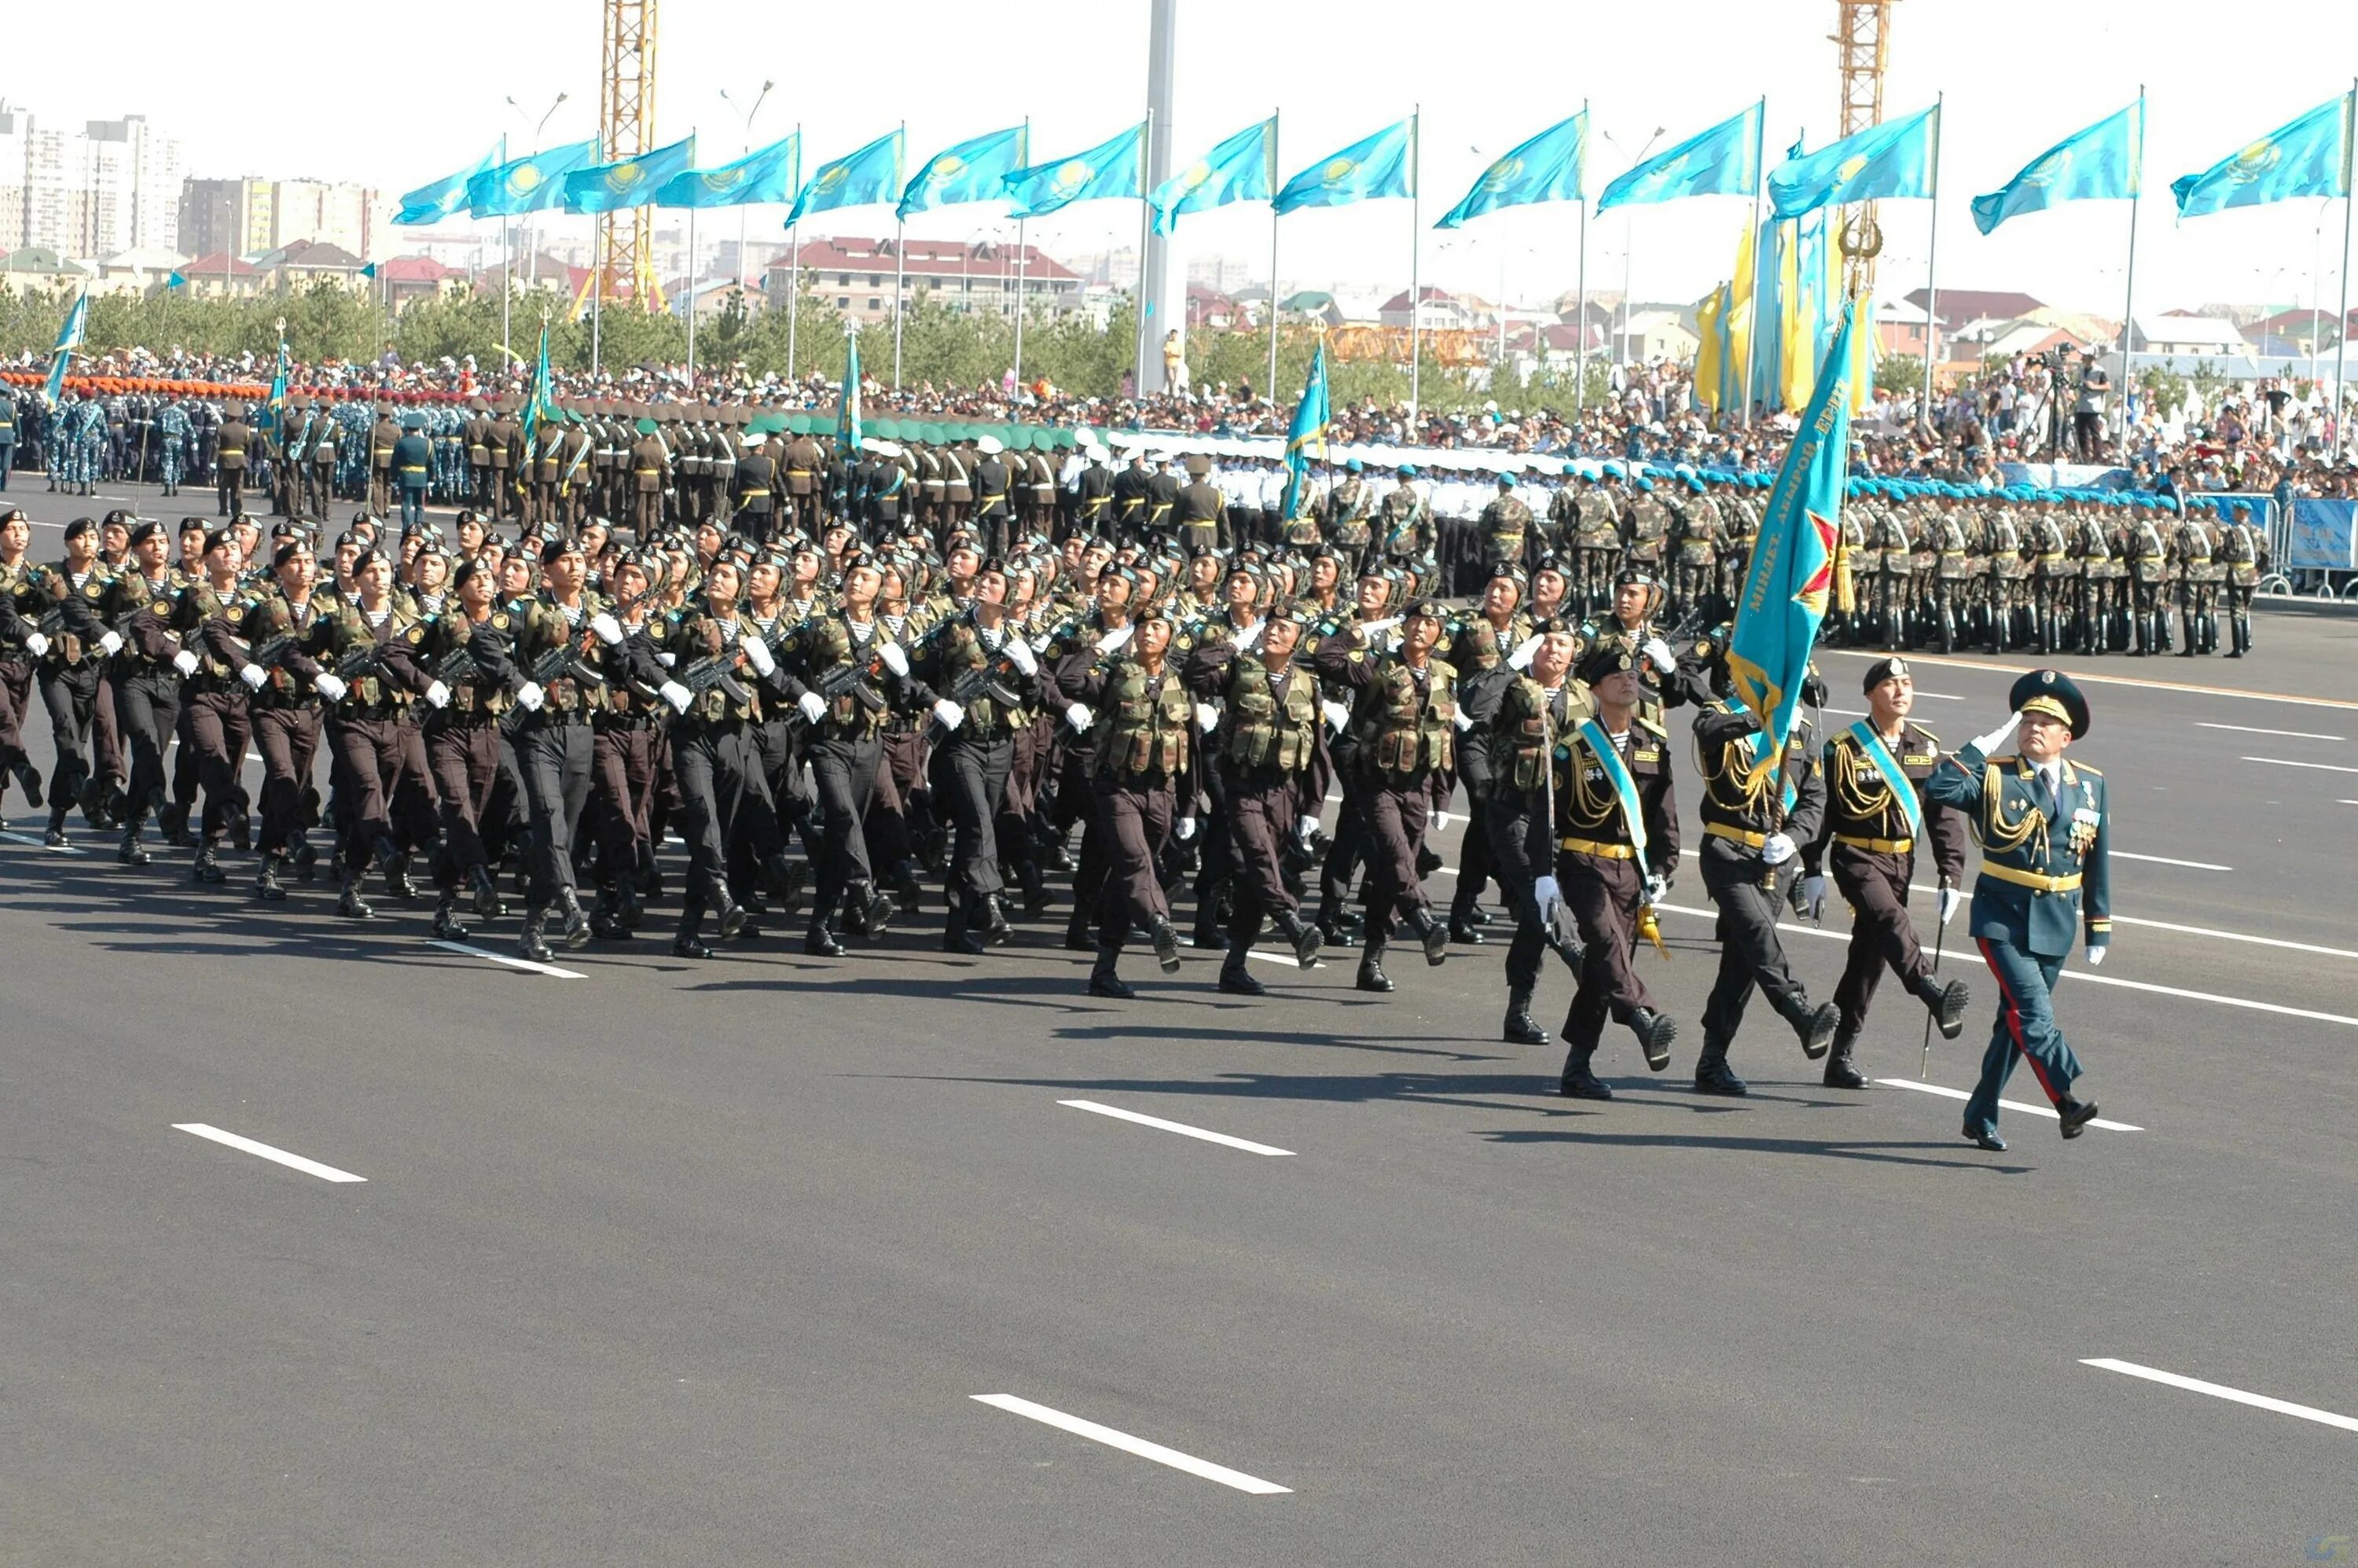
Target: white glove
[
  {"x": 667, "y": 660},
  {"x": 1657, "y": 890},
  {"x": 436, "y": 695},
  {"x": 1305, "y": 827},
  {"x": 1440, "y": 822},
  {"x": 1989, "y": 743},
  {"x": 254, "y": 676},
  {"x": 1113, "y": 642},
  {"x": 1186, "y": 828},
  {"x": 331, "y": 687},
  {"x": 1207, "y": 717},
  {"x": 814, "y": 705},
  {"x": 185, "y": 662},
  {"x": 1338, "y": 716},
  {"x": 679, "y": 695},
  {"x": 1660, "y": 653},
  {"x": 1777, "y": 849},
  {"x": 608, "y": 628},
  {"x": 1079, "y": 717},
  {"x": 1251, "y": 639},
  {"x": 895, "y": 659},
  {"x": 1520, "y": 659},
  {"x": 1548, "y": 893},
  {"x": 37, "y": 644},
  {"x": 529, "y": 697},
  {"x": 1951, "y": 900},
  {"x": 110, "y": 644},
  {"x": 1019, "y": 654},
  {"x": 949, "y": 713},
  {"x": 1463, "y": 720},
  {"x": 2096, "y": 955},
  {"x": 757, "y": 653},
  {"x": 1814, "y": 896}
]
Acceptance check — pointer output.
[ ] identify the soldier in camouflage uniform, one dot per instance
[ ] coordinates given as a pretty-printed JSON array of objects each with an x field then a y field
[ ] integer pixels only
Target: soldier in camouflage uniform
[{"x": 2243, "y": 554}]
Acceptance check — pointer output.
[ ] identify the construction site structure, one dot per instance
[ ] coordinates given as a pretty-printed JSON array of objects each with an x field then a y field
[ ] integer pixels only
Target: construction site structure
[
  {"x": 1863, "y": 39},
  {"x": 623, "y": 268}
]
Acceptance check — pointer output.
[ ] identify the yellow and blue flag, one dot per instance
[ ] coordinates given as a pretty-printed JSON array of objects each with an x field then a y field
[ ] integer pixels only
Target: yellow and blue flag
[
  {"x": 275, "y": 413},
  {"x": 2310, "y": 157},
  {"x": 1241, "y": 168},
  {"x": 847, "y": 415},
  {"x": 856, "y": 180},
  {"x": 1111, "y": 169},
  {"x": 532, "y": 184},
  {"x": 2104, "y": 162},
  {"x": 1897, "y": 159},
  {"x": 1371, "y": 168},
  {"x": 69, "y": 334},
  {"x": 1548, "y": 168},
  {"x": 540, "y": 402},
  {"x": 432, "y": 204},
  {"x": 1792, "y": 572},
  {"x": 1308, "y": 431},
  {"x": 628, "y": 182},
  {"x": 975, "y": 169},
  {"x": 766, "y": 175},
  {"x": 1723, "y": 161}
]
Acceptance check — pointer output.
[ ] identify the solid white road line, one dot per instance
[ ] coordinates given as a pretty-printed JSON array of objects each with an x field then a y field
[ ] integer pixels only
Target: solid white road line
[
  {"x": 549, "y": 969},
  {"x": 2220, "y": 1391},
  {"x": 1180, "y": 1128},
  {"x": 1138, "y": 1445},
  {"x": 2023, "y": 1106},
  {"x": 2249, "y": 729},
  {"x": 30, "y": 842},
  {"x": 1288, "y": 959},
  {"x": 2087, "y": 975},
  {"x": 2287, "y": 762},
  {"x": 2089, "y": 678},
  {"x": 2166, "y": 860},
  {"x": 280, "y": 1156}
]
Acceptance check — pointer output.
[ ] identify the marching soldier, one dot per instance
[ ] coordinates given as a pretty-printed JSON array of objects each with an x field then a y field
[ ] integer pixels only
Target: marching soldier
[
  {"x": 465, "y": 698},
  {"x": 233, "y": 443},
  {"x": 1879, "y": 815},
  {"x": 2191, "y": 548},
  {"x": 1697, "y": 540},
  {"x": 1596, "y": 539},
  {"x": 383, "y": 435},
  {"x": 1541, "y": 704},
  {"x": 2044, "y": 828},
  {"x": 1201, "y": 511},
  {"x": 650, "y": 477},
  {"x": 1506, "y": 526}
]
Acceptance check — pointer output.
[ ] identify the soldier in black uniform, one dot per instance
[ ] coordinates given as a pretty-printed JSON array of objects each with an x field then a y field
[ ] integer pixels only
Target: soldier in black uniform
[
  {"x": 234, "y": 440},
  {"x": 1540, "y": 702}
]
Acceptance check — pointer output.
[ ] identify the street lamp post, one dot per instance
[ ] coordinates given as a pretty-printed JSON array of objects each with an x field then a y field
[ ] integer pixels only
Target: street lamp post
[
  {"x": 532, "y": 262},
  {"x": 756, "y": 109},
  {"x": 1628, "y": 237}
]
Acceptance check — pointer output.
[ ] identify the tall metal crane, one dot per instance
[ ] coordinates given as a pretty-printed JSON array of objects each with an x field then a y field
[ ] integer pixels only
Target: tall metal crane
[
  {"x": 625, "y": 267},
  {"x": 1863, "y": 42}
]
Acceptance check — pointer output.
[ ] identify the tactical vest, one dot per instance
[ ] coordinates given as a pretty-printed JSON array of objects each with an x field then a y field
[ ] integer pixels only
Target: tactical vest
[
  {"x": 1142, "y": 727},
  {"x": 1524, "y": 731},
  {"x": 1272, "y": 720},
  {"x": 1409, "y": 730}
]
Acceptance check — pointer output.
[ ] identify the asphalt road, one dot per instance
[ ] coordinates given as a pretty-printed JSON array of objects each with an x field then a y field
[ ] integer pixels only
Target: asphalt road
[{"x": 709, "y": 1263}]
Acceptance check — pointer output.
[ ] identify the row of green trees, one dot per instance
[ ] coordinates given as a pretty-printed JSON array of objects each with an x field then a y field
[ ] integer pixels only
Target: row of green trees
[{"x": 938, "y": 345}]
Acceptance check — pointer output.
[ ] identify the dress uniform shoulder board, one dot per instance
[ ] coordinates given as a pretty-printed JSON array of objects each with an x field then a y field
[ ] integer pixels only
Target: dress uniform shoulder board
[
  {"x": 1922, "y": 736},
  {"x": 2085, "y": 768},
  {"x": 1653, "y": 724}
]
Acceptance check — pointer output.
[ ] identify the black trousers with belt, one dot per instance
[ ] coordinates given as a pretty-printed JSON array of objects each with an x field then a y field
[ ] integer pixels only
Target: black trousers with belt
[
  {"x": 843, "y": 771},
  {"x": 970, "y": 773},
  {"x": 1750, "y": 895},
  {"x": 217, "y": 732},
  {"x": 554, "y": 753},
  {"x": 148, "y": 712}
]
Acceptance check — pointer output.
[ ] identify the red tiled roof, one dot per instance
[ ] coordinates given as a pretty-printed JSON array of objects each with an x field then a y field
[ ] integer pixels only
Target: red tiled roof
[{"x": 927, "y": 258}]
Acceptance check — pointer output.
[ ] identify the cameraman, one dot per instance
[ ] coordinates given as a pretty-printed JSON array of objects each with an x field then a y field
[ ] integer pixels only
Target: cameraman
[{"x": 2088, "y": 412}]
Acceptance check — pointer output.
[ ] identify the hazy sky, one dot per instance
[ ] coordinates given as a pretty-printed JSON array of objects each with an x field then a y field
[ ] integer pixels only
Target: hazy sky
[{"x": 396, "y": 98}]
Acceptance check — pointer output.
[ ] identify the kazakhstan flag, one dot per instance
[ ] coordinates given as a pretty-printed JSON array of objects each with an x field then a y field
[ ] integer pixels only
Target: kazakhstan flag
[
  {"x": 1307, "y": 432},
  {"x": 1792, "y": 572},
  {"x": 1242, "y": 168},
  {"x": 974, "y": 170},
  {"x": 1894, "y": 158},
  {"x": 857, "y": 179},
  {"x": 1721, "y": 161},
  {"x": 2104, "y": 162},
  {"x": 69, "y": 339},
  {"x": 1109, "y": 170},
  {"x": 533, "y": 184},
  {"x": 2310, "y": 157},
  {"x": 628, "y": 182},
  {"x": 1376, "y": 166},
  {"x": 767, "y": 175},
  {"x": 432, "y": 204},
  {"x": 1546, "y": 169}
]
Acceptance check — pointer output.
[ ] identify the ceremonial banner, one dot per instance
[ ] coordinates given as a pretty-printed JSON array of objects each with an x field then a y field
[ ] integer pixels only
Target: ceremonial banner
[
  {"x": 69, "y": 334},
  {"x": 1548, "y": 168},
  {"x": 1308, "y": 431}
]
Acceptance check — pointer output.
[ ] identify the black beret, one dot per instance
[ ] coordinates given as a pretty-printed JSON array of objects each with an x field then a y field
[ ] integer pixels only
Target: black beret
[
  {"x": 1883, "y": 670},
  {"x": 558, "y": 547},
  {"x": 147, "y": 529},
  {"x": 1610, "y": 658},
  {"x": 2053, "y": 694},
  {"x": 1432, "y": 607},
  {"x": 79, "y": 527},
  {"x": 287, "y": 552},
  {"x": 217, "y": 538}
]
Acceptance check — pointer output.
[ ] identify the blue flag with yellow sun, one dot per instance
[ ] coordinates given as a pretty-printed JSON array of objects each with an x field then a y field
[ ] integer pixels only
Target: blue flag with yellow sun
[{"x": 1792, "y": 572}]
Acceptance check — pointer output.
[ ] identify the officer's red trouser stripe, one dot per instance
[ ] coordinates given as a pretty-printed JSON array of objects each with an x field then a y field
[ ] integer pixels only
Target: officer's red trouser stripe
[{"x": 2013, "y": 1015}]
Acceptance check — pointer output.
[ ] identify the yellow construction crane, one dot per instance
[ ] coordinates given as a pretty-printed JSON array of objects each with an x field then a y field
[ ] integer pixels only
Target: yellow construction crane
[
  {"x": 624, "y": 267},
  {"x": 1864, "y": 40}
]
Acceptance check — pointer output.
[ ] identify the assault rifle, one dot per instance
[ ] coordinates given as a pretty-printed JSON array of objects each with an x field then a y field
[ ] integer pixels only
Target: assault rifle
[
  {"x": 849, "y": 680},
  {"x": 564, "y": 661},
  {"x": 718, "y": 672},
  {"x": 982, "y": 681}
]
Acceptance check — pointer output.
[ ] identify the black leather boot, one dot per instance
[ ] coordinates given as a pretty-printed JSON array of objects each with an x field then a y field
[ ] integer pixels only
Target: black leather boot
[
  {"x": 577, "y": 920},
  {"x": 1103, "y": 981},
  {"x": 1306, "y": 938},
  {"x": 1842, "y": 1071},
  {"x": 350, "y": 905},
  {"x": 1432, "y": 933},
  {"x": 685, "y": 942},
  {"x": 1815, "y": 1027},
  {"x": 529, "y": 942},
  {"x": 1655, "y": 1034},
  {"x": 957, "y": 935},
  {"x": 1521, "y": 1028},
  {"x": 131, "y": 851},
  {"x": 1235, "y": 979},
  {"x": 1077, "y": 933},
  {"x": 819, "y": 941},
  {"x": 1371, "y": 967},
  {"x": 1713, "y": 1075},
  {"x": 1578, "y": 1082},
  {"x": 1947, "y": 1005},
  {"x": 1165, "y": 939},
  {"x": 266, "y": 885},
  {"x": 487, "y": 895},
  {"x": 208, "y": 867},
  {"x": 446, "y": 917}
]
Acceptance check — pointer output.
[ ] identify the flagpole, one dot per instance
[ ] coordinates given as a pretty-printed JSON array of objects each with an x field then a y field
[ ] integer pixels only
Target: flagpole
[
  {"x": 597, "y": 290},
  {"x": 2128, "y": 300},
  {"x": 507, "y": 267},
  {"x": 795, "y": 262},
  {"x": 1931, "y": 265},
  {"x": 1022, "y": 160},
  {"x": 691, "y": 300},
  {"x": 1415, "y": 260},
  {"x": 900, "y": 277},
  {"x": 1272, "y": 164},
  {"x": 2342, "y": 325},
  {"x": 1759, "y": 174},
  {"x": 1145, "y": 238},
  {"x": 1580, "y": 335}
]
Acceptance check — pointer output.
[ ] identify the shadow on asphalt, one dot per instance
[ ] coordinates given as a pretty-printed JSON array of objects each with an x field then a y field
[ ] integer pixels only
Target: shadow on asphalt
[{"x": 1815, "y": 1148}]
